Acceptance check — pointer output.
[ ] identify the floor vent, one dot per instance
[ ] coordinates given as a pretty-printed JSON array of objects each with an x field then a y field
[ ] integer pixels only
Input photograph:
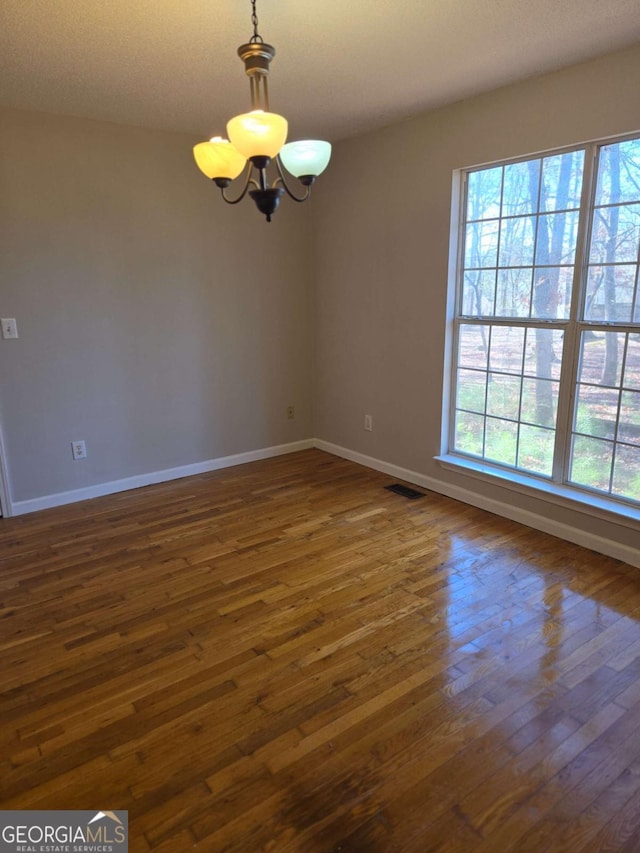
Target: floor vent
[{"x": 405, "y": 491}]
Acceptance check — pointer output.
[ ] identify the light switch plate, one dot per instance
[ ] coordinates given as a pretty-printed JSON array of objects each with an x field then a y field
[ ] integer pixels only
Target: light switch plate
[{"x": 9, "y": 327}]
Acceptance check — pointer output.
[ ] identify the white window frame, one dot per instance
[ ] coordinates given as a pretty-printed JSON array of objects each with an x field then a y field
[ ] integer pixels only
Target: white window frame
[{"x": 555, "y": 489}]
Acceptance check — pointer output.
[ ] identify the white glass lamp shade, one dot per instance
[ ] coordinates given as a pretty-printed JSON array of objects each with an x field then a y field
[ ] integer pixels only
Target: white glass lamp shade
[
  {"x": 306, "y": 157},
  {"x": 258, "y": 134},
  {"x": 218, "y": 159}
]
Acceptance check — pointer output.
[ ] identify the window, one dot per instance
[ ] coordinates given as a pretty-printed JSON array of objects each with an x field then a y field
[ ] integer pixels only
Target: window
[{"x": 546, "y": 373}]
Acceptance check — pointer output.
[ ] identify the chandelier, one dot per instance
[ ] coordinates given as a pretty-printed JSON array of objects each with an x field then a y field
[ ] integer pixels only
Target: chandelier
[{"x": 257, "y": 138}]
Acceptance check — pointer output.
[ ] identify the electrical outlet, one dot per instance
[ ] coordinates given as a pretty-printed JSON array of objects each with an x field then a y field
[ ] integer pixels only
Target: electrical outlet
[
  {"x": 9, "y": 327},
  {"x": 368, "y": 423},
  {"x": 79, "y": 449},
  {"x": 291, "y": 412}
]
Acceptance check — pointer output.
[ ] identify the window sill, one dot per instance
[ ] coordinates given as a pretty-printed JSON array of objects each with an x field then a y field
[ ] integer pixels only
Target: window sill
[{"x": 516, "y": 481}]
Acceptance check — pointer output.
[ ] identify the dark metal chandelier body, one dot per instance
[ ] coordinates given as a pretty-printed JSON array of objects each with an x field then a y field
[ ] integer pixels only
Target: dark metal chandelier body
[{"x": 257, "y": 138}]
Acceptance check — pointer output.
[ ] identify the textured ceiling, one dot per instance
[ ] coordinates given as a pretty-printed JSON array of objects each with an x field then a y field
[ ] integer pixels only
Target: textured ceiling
[{"x": 342, "y": 66}]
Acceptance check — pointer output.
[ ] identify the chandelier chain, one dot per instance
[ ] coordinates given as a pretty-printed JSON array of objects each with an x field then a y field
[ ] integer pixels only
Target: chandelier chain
[{"x": 256, "y": 38}]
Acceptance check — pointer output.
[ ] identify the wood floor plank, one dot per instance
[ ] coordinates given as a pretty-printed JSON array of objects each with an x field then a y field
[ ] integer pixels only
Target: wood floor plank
[{"x": 285, "y": 656}]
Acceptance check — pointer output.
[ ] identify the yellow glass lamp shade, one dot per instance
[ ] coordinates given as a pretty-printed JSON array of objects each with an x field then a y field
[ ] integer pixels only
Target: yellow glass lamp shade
[
  {"x": 258, "y": 134},
  {"x": 306, "y": 157},
  {"x": 218, "y": 158}
]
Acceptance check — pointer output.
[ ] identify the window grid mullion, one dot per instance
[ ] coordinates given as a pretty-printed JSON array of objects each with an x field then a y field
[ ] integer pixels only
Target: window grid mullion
[
  {"x": 616, "y": 432},
  {"x": 486, "y": 395},
  {"x": 535, "y": 239},
  {"x": 636, "y": 293},
  {"x": 527, "y": 215},
  {"x": 522, "y": 361},
  {"x": 568, "y": 388},
  {"x": 495, "y": 280}
]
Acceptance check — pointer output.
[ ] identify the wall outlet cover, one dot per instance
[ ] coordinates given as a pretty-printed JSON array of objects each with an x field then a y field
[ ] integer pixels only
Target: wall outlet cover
[
  {"x": 9, "y": 327},
  {"x": 79, "y": 449}
]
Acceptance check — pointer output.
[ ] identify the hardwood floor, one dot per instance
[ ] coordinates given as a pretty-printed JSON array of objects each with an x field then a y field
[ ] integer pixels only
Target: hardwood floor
[{"x": 285, "y": 656}]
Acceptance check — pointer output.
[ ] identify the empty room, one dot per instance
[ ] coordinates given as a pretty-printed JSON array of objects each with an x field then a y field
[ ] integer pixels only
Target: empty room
[{"x": 319, "y": 426}]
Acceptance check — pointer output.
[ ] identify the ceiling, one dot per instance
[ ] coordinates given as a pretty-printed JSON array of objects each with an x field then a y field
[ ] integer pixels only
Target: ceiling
[{"x": 342, "y": 66}]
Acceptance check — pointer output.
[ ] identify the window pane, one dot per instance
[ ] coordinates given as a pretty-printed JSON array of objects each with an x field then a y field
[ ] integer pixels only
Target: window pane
[
  {"x": 552, "y": 293},
  {"x": 478, "y": 292},
  {"x": 481, "y": 246},
  {"x": 503, "y": 396},
  {"x": 556, "y": 238},
  {"x": 626, "y": 472},
  {"x": 471, "y": 390},
  {"x": 597, "y": 411},
  {"x": 483, "y": 194},
  {"x": 619, "y": 173},
  {"x": 507, "y": 345},
  {"x": 562, "y": 181},
  {"x": 520, "y": 193},
  {"x": 543, "y": 353},
  {"x": 601, "y": 357},
  {"x": 535, "y": 449},
  {"x": 473, "y": 346},
  {"x": 469, "y": 433},
  {"x": 513, "y": 293},
  {"x": 609, "y": 414},
  {"x": 517, "y": 242},
  {"x": 501, "y": 441},
  {"x": 616, "y": 235},
  {"x": 629, "y": 427},
  {"x": 591, "y": 462},
  {"x": 610, "y": 292},
  {"x": 539, "y": 402}
]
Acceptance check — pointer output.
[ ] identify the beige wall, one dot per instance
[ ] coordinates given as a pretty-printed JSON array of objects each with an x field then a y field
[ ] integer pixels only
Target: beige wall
[
  {"x": 382, "y": 248},
  {"x": 156, "y": 323},
  {"x": 166, "y": 328}
]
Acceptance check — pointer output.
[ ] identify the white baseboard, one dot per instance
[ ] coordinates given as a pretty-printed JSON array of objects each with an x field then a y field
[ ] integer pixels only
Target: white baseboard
[
  {"x": 531, "y": 519},
  {"x": 110, "y": 488},
  {"x": 564, "y": 531}
]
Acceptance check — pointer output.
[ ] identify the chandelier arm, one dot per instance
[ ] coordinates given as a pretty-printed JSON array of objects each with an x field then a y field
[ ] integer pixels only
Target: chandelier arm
[
  {"x": 248, "y": 182},
  {"x": 281, "y": 180}
]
